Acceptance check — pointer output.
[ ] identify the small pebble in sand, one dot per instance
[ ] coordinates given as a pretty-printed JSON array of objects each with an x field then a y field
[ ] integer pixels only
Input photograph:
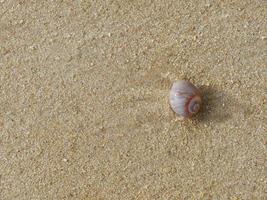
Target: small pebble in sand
[{"x": 184, "y": 99}]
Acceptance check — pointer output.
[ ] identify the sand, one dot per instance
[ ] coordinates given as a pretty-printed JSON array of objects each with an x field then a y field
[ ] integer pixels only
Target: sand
[{"x": 84, "y": 110}]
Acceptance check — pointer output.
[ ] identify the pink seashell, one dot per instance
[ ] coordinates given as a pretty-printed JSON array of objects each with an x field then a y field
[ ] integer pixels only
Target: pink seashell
[{"x": 185, "y": 99}]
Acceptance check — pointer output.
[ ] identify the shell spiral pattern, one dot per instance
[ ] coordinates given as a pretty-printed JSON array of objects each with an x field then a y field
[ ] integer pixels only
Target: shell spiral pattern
[{"x": 184, "y": 98}]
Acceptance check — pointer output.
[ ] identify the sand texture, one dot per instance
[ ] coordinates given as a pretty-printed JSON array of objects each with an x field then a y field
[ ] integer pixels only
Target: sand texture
[{"x": 84, "y": 112}]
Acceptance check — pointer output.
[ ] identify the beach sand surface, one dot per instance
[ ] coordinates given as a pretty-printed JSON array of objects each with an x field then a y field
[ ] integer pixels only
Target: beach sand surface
[{"x": 84, "y": 111}]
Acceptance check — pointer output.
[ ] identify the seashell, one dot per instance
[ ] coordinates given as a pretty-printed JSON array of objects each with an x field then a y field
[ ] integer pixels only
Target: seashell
[{"x": 185, "y": 99}]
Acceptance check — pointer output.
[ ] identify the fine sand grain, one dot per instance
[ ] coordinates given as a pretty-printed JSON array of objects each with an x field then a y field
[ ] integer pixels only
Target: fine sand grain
[{"x": 84, "y": 111}]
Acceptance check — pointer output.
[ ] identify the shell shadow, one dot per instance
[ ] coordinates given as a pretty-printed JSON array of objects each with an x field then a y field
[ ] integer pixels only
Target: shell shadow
[{"x": 216, "y": 105}]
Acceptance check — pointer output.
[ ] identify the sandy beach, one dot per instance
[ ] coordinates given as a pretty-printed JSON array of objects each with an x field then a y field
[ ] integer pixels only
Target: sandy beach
[{"x": 84, "y": 111}]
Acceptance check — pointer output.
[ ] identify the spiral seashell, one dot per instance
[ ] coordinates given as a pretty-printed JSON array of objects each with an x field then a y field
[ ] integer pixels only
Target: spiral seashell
[{"x": 185, "y": 99}]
